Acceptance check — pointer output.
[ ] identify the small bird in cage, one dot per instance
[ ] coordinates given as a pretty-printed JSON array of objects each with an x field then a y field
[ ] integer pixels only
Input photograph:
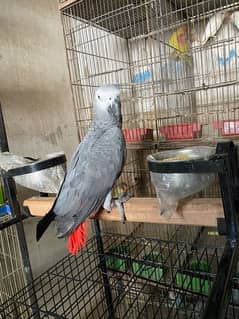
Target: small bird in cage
[
  {"x": 179, "y": 41},
  {"x": 93, "y": 170}
]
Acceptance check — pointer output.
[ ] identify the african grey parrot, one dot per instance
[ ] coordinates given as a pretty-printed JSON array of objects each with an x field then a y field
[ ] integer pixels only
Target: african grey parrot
[{"x": 94, "y": 167}]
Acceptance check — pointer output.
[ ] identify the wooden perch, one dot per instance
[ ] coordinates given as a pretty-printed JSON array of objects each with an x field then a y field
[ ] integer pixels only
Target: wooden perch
[{"x": 197, "y": 211}]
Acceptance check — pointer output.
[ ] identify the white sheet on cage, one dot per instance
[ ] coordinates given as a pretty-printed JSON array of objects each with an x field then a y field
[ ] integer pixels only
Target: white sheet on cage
[
  {"x": 46, "y": 181},
  {"x": 215, "y": 63},
  {"x": 158, "y": 74},
  {"x": 142, "y": 68}
]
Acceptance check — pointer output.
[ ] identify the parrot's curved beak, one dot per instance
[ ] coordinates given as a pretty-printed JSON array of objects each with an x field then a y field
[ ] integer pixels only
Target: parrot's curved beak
[{"x": 113, "y": 109}]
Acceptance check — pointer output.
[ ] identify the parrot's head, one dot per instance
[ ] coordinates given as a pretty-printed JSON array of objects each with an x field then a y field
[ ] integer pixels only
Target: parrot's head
[{"x": 106, "y": 105}]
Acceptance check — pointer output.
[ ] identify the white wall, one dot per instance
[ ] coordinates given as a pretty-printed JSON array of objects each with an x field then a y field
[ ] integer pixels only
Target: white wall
[
  {"x": 36, "y": 97},
  {"x": 34, "y": 82}
]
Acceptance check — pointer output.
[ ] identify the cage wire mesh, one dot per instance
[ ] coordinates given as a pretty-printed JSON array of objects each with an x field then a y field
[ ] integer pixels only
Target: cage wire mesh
[
  {"x": 12, "y": 274},
  {"x": 147, "y": 278},
  {"x": 176, "y": 63}
]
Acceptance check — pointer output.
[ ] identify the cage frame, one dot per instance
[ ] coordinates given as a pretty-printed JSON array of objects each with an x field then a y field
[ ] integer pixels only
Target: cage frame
[
  {"x": 188, "y": 12},
  {"x": 230, "y": 255},
  {"x": 225, "y": 164}
]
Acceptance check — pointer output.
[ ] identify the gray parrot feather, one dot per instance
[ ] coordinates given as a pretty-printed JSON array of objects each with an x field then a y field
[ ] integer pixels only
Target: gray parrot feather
[{"x": 95, "y": 165}]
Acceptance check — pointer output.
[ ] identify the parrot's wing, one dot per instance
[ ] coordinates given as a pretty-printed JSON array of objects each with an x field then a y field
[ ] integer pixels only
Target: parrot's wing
[
  {"x": 82, "y": 146},
  {"x": 92, "y": 176}
]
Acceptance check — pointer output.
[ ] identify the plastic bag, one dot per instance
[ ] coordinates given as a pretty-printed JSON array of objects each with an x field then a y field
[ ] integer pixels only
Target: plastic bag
[{"x": 45, "y": 181}]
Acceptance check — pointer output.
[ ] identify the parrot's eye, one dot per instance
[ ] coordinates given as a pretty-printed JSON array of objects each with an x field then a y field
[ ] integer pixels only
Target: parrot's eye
[
  {"x": 98, "y": 97},
  {"x": 110, "y": 98}
]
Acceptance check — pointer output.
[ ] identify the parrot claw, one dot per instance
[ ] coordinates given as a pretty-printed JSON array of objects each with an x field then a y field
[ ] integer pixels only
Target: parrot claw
[
  {"x": 108, "y": 202},
  {"x": 120, "y": 208},
  {"x": 119, "y": 204}
]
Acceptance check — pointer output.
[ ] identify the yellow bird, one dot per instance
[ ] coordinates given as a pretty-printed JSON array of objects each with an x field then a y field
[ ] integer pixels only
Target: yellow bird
[{"x": 179, "y": 41}]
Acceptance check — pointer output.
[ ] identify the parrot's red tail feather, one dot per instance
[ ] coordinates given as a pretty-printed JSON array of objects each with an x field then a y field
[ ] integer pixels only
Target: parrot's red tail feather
[{"x": 77, "y": 238}]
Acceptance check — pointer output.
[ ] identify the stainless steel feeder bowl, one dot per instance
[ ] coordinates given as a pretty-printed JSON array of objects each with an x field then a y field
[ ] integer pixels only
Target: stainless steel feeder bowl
[{"x": 172, "y": 187}]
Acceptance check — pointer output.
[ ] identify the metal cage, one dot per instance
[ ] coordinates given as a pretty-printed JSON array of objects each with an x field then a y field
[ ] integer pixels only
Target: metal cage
[
  {"x": 12, "y": 273},
  {"x": 190, "y": 272},
  {"x": 146, "y": 278},
  {"x": 176, "y": 63}
]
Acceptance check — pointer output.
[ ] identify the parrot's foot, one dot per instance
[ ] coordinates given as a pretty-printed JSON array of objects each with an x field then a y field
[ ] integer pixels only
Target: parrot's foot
[
  {"x": 108, "y": 202},
  {"x": 119, "y": 203}
]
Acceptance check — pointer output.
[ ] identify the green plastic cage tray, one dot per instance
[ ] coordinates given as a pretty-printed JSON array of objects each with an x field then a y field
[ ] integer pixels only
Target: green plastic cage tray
[
  {"x": 193, "y": 282},
  {"x": 117, "y": 262},
  {"x": 153, "y": 272}
]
